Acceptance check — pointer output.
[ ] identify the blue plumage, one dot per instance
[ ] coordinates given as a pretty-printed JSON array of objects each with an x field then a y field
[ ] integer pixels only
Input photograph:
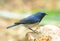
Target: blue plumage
[{"x": 31, "y": 19}]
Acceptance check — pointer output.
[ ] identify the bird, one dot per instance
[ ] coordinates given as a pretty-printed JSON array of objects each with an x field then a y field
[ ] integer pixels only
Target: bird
[{"x": 33, "y": 20}]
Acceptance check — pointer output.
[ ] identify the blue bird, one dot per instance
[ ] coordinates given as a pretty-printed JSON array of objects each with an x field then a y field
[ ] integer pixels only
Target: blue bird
[{"x": 33, "y": 19}]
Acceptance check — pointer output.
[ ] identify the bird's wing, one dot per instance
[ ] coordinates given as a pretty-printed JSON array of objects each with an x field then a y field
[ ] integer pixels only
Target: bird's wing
[{"x": 28, "y": 20}]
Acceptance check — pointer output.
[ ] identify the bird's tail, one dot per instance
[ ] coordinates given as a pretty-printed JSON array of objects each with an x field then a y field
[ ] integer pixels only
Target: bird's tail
[{"x": 11, "y": 26}]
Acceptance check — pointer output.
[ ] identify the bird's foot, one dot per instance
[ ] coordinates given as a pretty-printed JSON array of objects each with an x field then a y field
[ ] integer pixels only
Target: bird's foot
[{"x": 36, "y": 31}]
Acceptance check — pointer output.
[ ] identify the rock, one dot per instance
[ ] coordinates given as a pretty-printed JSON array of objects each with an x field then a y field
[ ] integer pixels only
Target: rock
[{"x": 48, "y": 33}]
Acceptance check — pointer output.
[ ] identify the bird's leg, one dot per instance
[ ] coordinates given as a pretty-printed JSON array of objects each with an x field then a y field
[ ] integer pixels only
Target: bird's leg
[
  {"x": 32, "y": 30},
  {"x": 29, "y": 27},
  {"x": 37, "y": 27}
]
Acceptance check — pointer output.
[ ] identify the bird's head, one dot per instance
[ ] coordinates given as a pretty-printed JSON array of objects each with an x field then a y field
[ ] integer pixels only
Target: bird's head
[{"x": 40, "y": 14}]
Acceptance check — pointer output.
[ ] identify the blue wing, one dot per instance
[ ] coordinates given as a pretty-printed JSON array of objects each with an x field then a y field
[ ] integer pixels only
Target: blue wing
[{"x": 28, "y": 20}]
